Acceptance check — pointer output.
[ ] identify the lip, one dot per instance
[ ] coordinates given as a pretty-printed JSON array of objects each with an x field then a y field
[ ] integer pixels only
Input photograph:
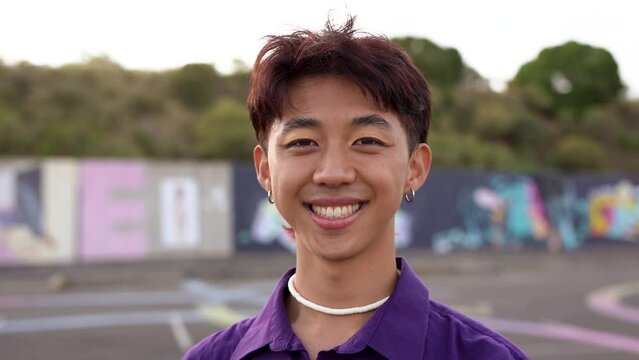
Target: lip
[{"x": 336, "y": 224}]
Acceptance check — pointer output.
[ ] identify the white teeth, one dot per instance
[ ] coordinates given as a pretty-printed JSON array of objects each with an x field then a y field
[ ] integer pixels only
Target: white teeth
[
  {"x": 335, "y": 212},
  {"x": 338, "y": 212}
]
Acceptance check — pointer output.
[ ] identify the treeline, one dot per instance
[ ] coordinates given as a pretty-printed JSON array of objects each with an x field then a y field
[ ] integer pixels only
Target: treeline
[{"x": 564, "y": 110}]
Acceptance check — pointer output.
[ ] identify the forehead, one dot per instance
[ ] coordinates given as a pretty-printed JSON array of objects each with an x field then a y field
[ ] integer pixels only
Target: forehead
[{"x": 327, "y": 97}]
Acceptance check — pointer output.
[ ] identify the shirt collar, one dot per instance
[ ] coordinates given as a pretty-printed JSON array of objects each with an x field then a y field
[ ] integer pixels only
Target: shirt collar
[
  {"x": 271, "y": 326},
  {"x": 397, "y": 330}
]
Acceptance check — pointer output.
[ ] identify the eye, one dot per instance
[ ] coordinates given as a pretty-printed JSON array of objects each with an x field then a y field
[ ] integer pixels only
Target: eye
[
  {"x": 300, "y": 143},
  {"x": 369, "y": 141}
]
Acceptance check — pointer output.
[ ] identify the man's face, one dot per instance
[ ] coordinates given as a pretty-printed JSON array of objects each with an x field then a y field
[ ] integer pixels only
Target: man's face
[{"x": 338, "y": 167}]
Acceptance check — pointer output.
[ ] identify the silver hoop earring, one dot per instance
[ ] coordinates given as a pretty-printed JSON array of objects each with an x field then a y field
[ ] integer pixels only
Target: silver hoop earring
[
  {"x": 410, "y": 196},
  {"x": 269, "y": 196}
]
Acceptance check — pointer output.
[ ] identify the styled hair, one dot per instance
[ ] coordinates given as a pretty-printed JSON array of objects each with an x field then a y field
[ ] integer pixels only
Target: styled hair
[{"x": 382, "y": 69}]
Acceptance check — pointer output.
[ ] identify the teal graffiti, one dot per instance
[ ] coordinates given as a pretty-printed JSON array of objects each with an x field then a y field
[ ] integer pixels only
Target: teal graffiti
[{"x": 505, "y": 213}]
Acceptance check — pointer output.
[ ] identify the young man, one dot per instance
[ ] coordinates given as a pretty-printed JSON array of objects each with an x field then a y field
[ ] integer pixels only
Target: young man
[{"x": 341, "y": 121}]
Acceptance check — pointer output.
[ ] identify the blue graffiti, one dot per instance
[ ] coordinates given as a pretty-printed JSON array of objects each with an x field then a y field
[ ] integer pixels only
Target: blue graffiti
[{"x": 504, "y": 213}]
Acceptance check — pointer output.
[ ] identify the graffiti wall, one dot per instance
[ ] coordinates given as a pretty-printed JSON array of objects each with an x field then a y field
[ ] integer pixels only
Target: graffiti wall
[
  {"x": 65, "y": 210},
  {"x": 502, "y": 211},
  {"x": 60, "y": 206},
  {"x": 513, "y": 211},
  {"x": 62, "y": 211},
  {"x": 113, "y": 210},
  {"x": 140, "y": 210},
  {"x": 460, "y": 210},
  {"x": 32, "y": 229},
  {"x": 190, "y": 208}
]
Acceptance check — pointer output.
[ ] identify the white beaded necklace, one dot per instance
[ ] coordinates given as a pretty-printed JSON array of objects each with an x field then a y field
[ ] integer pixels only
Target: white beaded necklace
[{"x": 331, "y": 311}]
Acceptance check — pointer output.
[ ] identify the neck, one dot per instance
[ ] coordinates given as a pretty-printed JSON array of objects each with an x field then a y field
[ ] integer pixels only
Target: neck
[
  {"x": 332, "y": 311},
  {"x": 347, "y": 283},
  {"x": 344, "y": 284}
]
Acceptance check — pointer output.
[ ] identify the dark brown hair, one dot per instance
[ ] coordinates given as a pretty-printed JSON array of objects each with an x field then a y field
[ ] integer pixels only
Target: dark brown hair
[{"x": 381, "y": 68}]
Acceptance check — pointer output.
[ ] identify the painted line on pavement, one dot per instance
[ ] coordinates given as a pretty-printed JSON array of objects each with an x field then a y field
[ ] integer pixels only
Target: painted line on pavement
[
  {"x": 77, "y": 322},
  {"x": 565, "y": 332},
  {"x": 482, "y": 309},
  {"x": 224, "y": 316},
  {"x": 213, "y": 308},
  {"x": 191, "y": 291},
  {"x": 608, "y": 302},
  {"x": 551, "y": 350},
  {"x": 180, "y": 332},
  {"x": 220, "y": 315},
  {"x": 96, "y": 299}
]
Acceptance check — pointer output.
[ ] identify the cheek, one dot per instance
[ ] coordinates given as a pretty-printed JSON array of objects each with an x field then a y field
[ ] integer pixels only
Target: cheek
[
  {"x": 396, "y": 166},
  {"x": 287, "y": 180},
  {"x": 389, "y": 176}
]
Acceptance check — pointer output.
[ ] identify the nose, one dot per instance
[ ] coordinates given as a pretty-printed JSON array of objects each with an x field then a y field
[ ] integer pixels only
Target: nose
[{"x": 334, "y": 169}]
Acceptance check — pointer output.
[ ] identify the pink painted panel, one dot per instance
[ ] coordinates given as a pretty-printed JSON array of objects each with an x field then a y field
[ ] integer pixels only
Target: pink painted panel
[
  {"x": 113, "y": 210},
  {"x": 6, "y": 258}
]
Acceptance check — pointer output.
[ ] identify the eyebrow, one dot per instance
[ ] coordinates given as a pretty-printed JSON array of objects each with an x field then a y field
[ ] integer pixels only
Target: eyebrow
[
  {"x": 299, "y": 123},
  {"x": 371, "y": 120},
  {"x": 365, "y": 120}
]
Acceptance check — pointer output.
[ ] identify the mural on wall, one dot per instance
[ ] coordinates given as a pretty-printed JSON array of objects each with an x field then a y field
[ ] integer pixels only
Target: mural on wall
[
  {"x": 180, "y": 212},
  {"x": 463, "y": 210},
  {"x": 188, "y": 209},
  {"x": 512, "y": 212},
  {"x": 22, "y": 238},
  {"x": 504, "y": 213},
  {"x": 113, "y": 216},
  {"x": 269, "y": 227},
  {"x": 614, "y": 211},
  {"x": 63, "y": 211}
]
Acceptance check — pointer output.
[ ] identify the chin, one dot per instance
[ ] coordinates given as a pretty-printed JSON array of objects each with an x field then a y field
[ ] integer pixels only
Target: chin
[
  {"x": 335, "y": 253},
  {"x": 337, "y": 256}
]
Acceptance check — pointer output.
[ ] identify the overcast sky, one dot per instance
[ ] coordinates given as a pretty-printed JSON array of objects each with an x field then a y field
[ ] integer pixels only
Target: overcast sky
[{"x": 494, "y": 36}]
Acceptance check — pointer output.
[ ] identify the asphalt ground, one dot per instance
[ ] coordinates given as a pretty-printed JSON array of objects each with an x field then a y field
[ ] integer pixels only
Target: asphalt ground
[{"x": 582, "y": 305}]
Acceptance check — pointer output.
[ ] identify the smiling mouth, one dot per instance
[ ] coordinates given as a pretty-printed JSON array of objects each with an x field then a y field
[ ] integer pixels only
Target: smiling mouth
[{"x": 335, "y": 212}]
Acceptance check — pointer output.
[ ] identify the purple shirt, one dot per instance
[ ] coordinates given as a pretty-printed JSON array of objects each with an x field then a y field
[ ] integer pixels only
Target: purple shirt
[{"x": 408, "y": 326}]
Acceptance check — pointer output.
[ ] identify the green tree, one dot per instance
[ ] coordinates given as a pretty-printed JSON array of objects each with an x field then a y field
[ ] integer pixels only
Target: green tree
[
  {"x": 225, "y": 131},
  {"x": 193, "y": 85},
  {"x": 566, "y": 79},
  {"x": 578, "y": 152},
  {"x": 12, "y": 133},
  {"x": 466, "y": 151},
  {"x": 443, "y": 67}
]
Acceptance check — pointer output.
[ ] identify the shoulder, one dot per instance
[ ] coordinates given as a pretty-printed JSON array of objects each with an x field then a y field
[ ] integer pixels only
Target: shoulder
[
  {"x": 460, "y": 337},
  {"x": 221, "y": 344}
]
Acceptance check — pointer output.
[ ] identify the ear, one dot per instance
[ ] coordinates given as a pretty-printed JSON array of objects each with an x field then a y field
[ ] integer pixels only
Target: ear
[
  {"x": 418, "y": 167},
  {"x": 261, "y": 167}
]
